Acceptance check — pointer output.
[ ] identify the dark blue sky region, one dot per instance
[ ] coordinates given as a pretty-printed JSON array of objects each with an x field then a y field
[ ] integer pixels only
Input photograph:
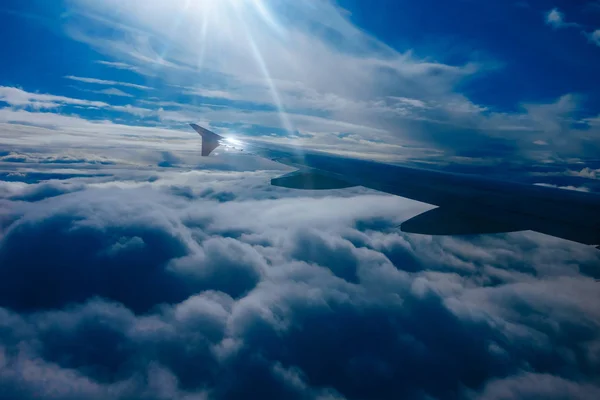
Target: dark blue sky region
[{"x": 528, "y": 62}]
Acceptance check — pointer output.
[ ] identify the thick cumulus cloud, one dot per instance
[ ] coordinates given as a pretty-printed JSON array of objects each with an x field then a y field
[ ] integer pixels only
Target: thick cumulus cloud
[{"x": 176, "y": 282}]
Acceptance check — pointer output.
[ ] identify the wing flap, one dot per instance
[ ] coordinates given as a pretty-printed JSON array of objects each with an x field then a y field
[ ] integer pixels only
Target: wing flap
[
  {"x": 443, "y": 221},
  {"x": 309, "y": 180}
]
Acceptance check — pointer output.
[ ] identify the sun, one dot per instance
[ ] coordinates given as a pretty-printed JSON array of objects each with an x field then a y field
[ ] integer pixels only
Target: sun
[{"x": 222, "y": 10}]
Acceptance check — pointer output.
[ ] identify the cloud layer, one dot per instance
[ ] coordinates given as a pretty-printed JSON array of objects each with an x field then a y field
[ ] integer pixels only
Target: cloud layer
[{"x": 173, "y": 281}]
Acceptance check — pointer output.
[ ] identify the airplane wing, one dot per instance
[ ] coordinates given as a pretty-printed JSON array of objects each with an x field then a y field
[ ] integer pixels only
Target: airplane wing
[{"x": 467, "y": 204}]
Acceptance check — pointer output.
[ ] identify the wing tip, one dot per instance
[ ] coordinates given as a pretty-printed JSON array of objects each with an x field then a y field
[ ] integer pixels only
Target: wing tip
[{"x": 210, "y": 140}]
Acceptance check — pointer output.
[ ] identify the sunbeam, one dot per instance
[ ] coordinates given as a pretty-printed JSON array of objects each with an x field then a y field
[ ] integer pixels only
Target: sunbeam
[
  {"x": 285, "y": 121},
  {"x": 250, "y": 15}
]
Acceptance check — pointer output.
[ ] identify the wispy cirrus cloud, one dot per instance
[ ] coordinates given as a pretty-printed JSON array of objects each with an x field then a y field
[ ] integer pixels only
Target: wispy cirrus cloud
[
  {"x": 251, "y": 56},
  {"x": 96, "y": 81},
  {"x": 113, "y": 92},
  {"x": 594, "y": 37},
  {"x": 556, "y": 19},
  {"x": 550, "y": 124},
  {"x": 266, "y": 60},
  {"x": 119, "y": 65},
  {"x": 20, "y": 98}
]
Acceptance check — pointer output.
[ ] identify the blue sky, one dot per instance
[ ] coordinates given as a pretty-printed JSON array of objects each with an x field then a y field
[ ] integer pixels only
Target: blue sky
[
  {"x": 454, "y": 78},
  {"x": 534, "y": 63}
]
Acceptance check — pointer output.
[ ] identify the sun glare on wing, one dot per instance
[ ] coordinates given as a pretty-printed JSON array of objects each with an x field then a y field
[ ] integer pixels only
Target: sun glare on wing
[{"x": 232, "y": 142}]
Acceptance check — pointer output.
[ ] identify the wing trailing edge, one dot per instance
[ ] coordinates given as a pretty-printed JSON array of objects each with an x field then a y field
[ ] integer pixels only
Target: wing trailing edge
[
  {"x": 210, "y": 140},
  {"x": 446, "y": 221}
]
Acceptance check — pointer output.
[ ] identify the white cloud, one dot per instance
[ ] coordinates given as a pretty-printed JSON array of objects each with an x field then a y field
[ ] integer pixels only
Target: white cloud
[
  {"x": 531, "y": 385},
  {"x": 106, "y": 82},
  {"x": 19, "y": 98},
  {"x": 586, "y": 173},
  {"x": 543, "y": 123},
  {"x": 119, "y": 65},
  {"x": 411, "y": 102},
  {"x": 253, "y": 272},
  {"x": 211, "y": 93},
  {"x": 114, "y": 92},
  {"x": 21, "y": 127},
  {"x": 555, "y": 18},
  {"x": 575, "y": 188},
  {"x": 594, "y": 37}
]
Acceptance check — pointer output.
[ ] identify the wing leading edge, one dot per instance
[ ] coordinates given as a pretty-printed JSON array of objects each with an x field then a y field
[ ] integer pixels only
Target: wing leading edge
[{"x": 467, "y": 204}]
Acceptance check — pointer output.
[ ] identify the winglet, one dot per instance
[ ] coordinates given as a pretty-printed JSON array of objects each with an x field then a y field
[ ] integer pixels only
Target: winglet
[{"x": 210, "y": 140}]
